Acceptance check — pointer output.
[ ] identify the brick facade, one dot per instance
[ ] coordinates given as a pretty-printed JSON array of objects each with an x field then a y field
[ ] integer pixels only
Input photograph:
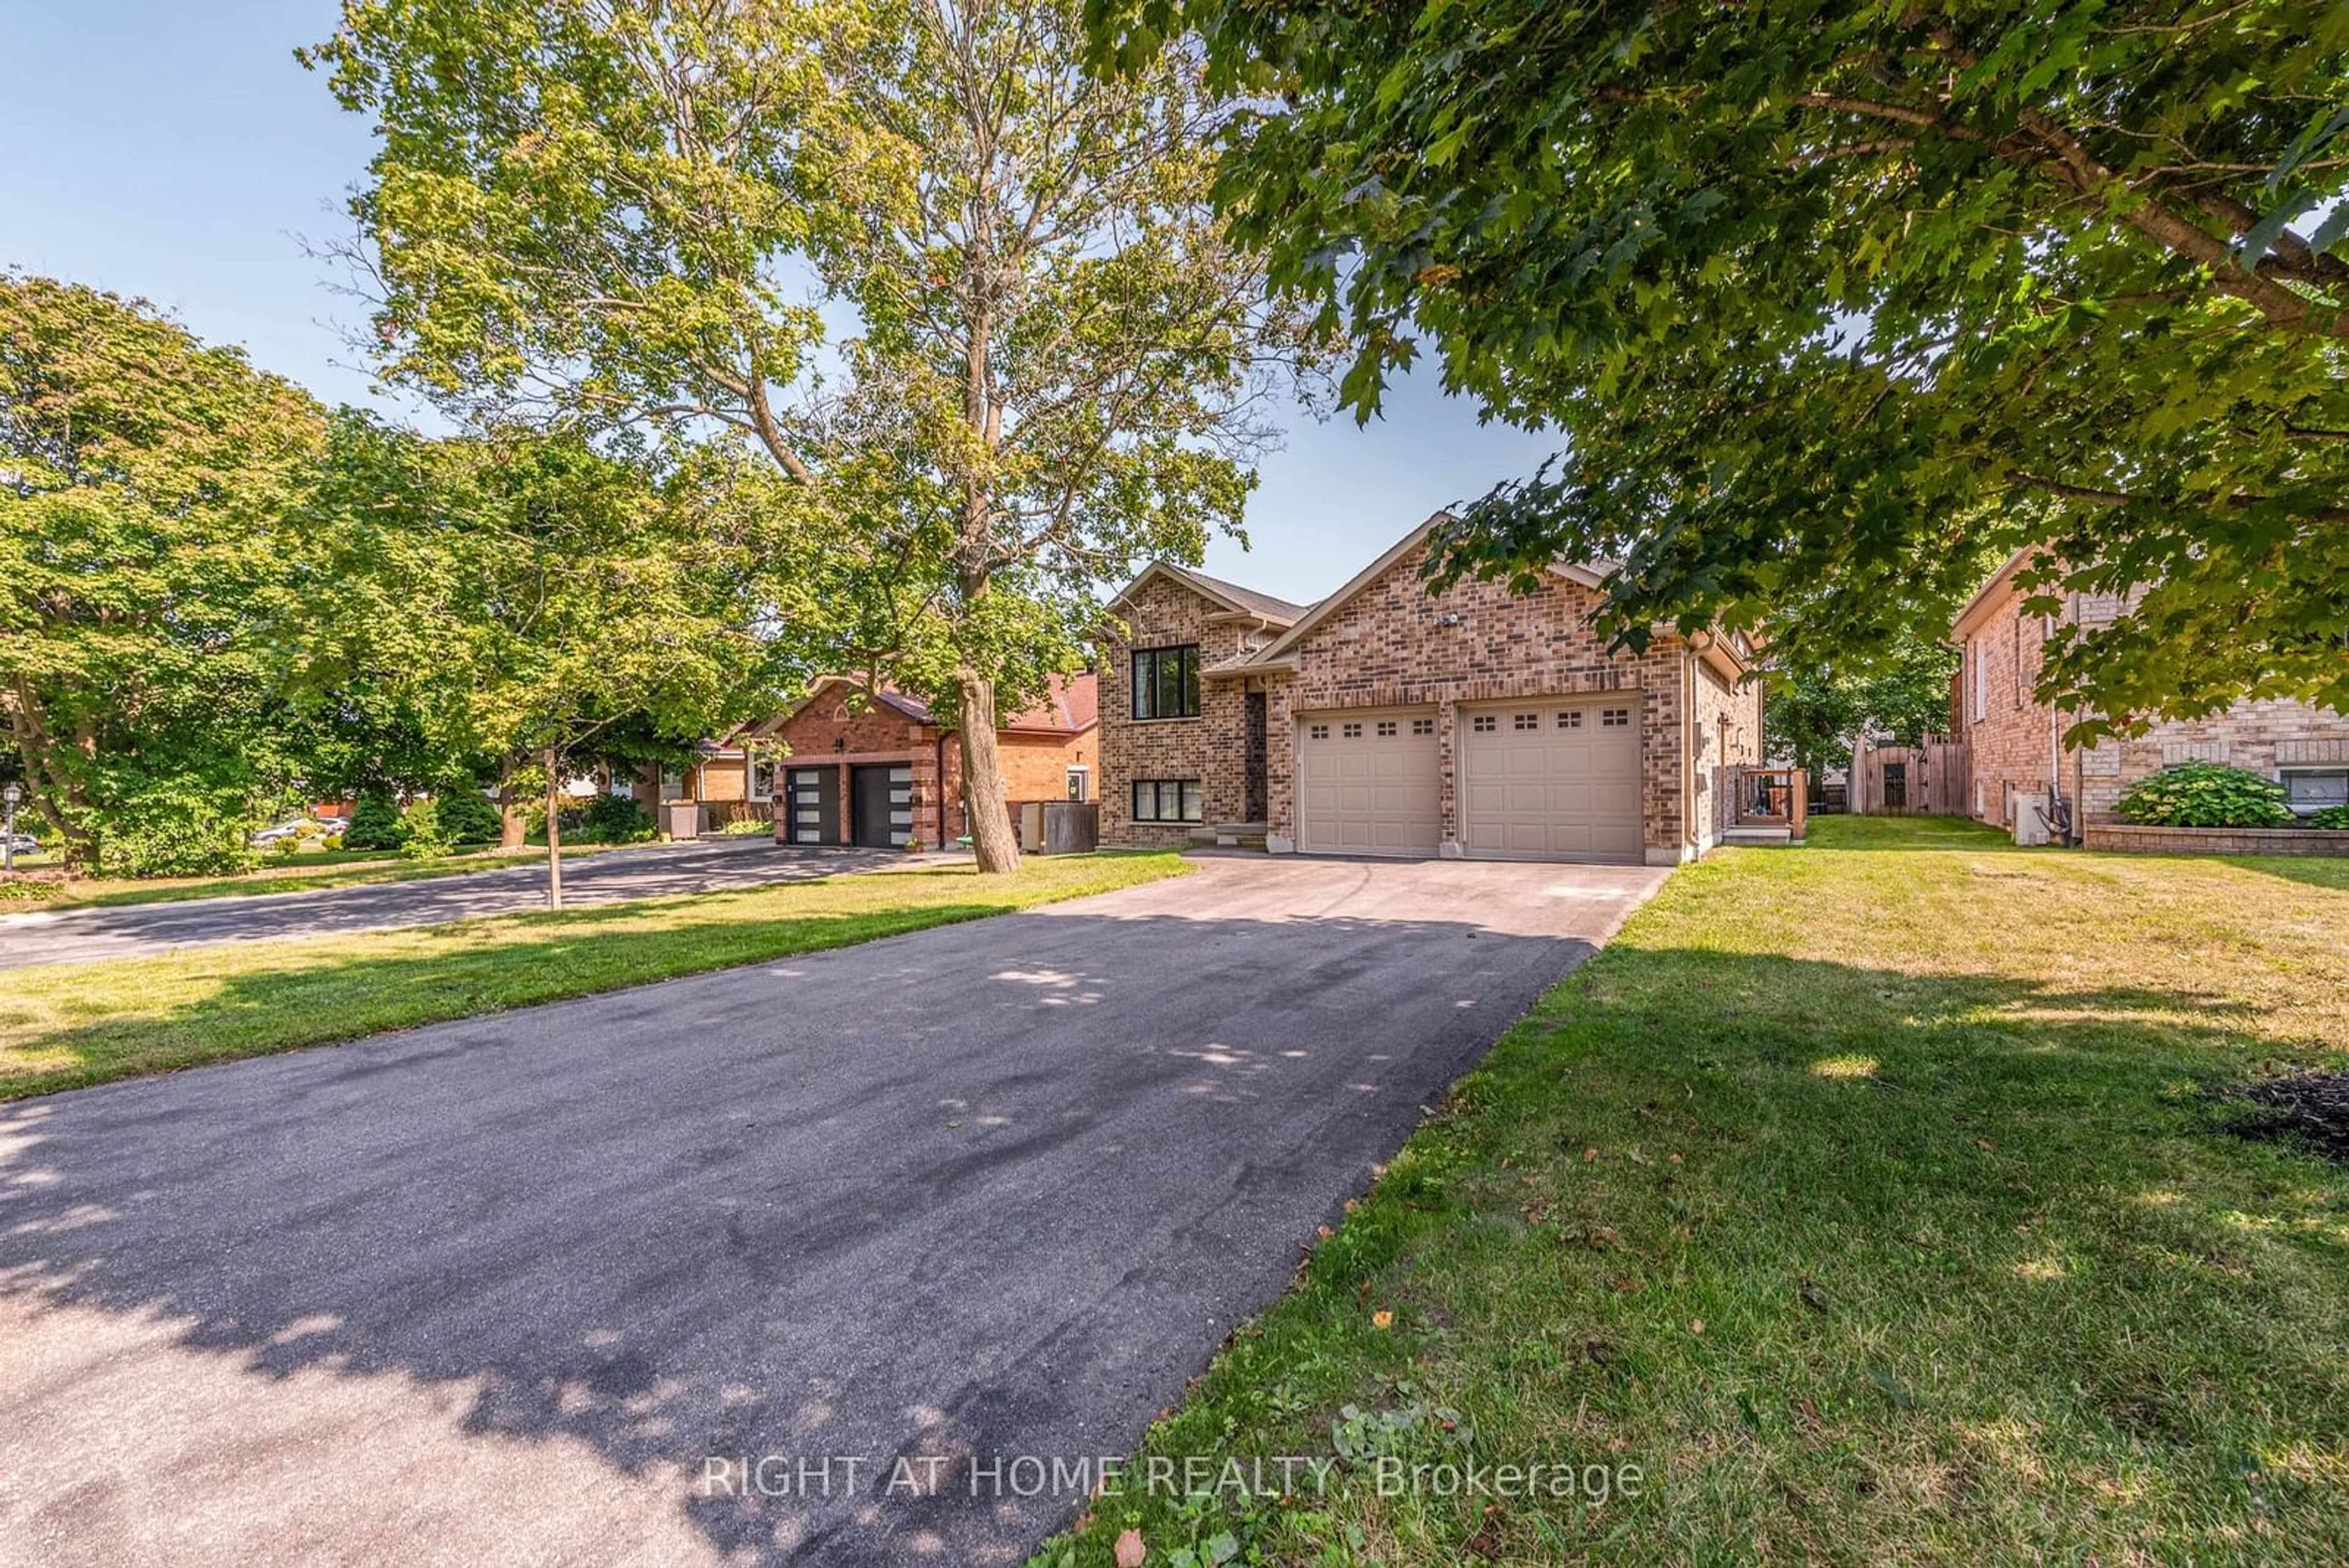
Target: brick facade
[
  {"x": 1211, "y": 748},
  {"x": 2012, "y": 740},
  {"x": 1390, "y": 644}
]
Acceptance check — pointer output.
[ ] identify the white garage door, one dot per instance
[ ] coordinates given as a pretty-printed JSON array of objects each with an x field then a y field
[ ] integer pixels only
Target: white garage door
[
  {"x": 1367, "y": 783},
  {"x": 1552, "y": 779}
]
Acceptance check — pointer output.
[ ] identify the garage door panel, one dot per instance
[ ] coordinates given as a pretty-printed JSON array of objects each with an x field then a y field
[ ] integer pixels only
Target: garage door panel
[
  {"x": 1552, "y": 779},
  {"x": 1368, "y": 783}
]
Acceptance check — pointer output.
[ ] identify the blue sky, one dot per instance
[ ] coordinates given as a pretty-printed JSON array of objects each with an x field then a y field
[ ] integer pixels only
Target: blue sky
[{"x": 177, "y": 152}]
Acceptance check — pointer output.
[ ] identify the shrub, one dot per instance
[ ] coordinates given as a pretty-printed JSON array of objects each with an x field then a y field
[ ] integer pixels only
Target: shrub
[
  {"x": 468, "y": 816},
  {"x": 174, "y": 832},
  {"x": 2206, "y": 795},
  {"x": 375, "y": 825},
  {"x": 745, "y": 826},
  {"x": 424, "y": 833},
  {"x": 2331, "y": 816},
  {"x": 614, "y": 819}
]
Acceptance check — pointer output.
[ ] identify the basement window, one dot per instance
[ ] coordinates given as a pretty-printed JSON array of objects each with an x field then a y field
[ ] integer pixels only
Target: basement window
[
  {"x": 2311, "y": 790},
  {"x": 1167, "y": 799}
]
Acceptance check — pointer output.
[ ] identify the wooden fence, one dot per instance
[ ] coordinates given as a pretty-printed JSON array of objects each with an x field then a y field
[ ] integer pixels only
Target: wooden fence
[{"x": 1930, "y": 780}]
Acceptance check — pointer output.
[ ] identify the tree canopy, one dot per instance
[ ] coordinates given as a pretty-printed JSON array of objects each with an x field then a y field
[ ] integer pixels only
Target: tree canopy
[
  {"x": 646, "y": 214},
  {"x": 1828, "y": 299},
  {"x": 146, "y": 574}
]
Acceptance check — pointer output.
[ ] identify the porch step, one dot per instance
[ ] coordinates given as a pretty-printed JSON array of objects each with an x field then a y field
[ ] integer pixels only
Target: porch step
[
  {"x": 1757, "y": 835},
  {"x": 1232, "y": 835}
]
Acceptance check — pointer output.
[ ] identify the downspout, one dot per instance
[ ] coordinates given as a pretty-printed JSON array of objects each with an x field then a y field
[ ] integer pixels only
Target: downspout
[{"x": 1689, "y": 833}]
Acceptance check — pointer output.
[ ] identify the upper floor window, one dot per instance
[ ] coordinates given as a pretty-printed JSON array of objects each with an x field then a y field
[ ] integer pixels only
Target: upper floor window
[{"x": 1166, "y": 682}]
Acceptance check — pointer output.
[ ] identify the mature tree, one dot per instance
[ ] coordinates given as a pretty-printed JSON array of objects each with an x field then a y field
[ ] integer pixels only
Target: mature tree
[
  {"x": 533, "y": 600},
  {"x": 630, "y": 211},
  {"x": 1825, "y": 295},
  {"x": 145, "y": 575},
  {"x": 1815, "y": 712}
]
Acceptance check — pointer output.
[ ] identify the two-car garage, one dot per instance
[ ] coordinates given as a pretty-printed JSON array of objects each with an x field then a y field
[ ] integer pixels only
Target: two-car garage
[{"x": 1553, "y": 778}]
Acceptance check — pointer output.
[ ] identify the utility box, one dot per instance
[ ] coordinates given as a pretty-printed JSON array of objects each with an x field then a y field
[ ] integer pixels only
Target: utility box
[
  {"x": 681, "y": 818},
  {"x": 2031, "y": 820}
]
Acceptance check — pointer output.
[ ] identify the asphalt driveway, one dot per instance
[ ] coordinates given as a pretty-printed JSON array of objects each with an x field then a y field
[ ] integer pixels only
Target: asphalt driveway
[
  {"x": 611, "y": 1280},
  {"x": 133, "y": 930}
]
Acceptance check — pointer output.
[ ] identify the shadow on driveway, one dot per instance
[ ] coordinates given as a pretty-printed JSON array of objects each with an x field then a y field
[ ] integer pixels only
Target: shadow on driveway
[{"x": 519, "y": 1288}]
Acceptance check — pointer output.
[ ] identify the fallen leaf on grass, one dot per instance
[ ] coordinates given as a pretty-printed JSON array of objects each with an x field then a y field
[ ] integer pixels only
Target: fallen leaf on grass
[
  {"x": 1815, "y": 1298},
  {"x": 1129, "y": 1551},
  {"x": 1382, "y": 1319},
  {"x": 1891, "y": 1388},
  {"x": 1590, "y": 1157},
  {"x": 1697, "y": 1326}
]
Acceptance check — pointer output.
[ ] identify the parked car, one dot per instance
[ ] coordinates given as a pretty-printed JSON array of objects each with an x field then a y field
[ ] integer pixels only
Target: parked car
[
  {"x": 292, "y": 827},
  {"x": 22, "y": 843}
]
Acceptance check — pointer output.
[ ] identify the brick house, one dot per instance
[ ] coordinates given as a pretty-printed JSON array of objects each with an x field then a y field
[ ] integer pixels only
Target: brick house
[
  {"x": 2015, "y": 746},
  {"x": 1478, "y": 722},
  {"x": 878, "y": 770}
]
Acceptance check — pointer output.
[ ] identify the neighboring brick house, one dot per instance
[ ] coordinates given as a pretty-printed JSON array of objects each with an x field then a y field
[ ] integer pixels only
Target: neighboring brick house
[
  {"x": 845, "y": 767},
  {"x": 2014, "y": 742},
  {"x": 880, "y": 769},
  {"x": 1477, "y": 722}
]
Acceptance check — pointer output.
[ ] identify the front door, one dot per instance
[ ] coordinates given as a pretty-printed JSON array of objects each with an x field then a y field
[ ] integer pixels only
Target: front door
[
  {"x": 813, "y": 798},
  {"x": 881, "y": 810}
]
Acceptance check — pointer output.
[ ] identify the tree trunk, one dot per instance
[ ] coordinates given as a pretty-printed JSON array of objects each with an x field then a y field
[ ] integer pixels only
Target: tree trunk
[
  {"x": 513, "y": 827},
  {"x": 982, "y": 774},
  {"x": 553, "y": 830}
]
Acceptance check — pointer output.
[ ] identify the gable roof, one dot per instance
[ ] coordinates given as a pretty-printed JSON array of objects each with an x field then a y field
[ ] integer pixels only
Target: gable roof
[
  {"x": 1591, "y": 576},
  {"x": 1988, "y": 598},
  {"x": 1071, "y": 705},
  {"x": 1232, "y": 598}
]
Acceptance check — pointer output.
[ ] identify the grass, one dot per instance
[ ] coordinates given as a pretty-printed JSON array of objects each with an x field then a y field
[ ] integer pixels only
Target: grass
[
  {"x": 69, "y": 1026},
  {"x": 1870, "y": 1200},
  {"x": 297, "y": 873}
]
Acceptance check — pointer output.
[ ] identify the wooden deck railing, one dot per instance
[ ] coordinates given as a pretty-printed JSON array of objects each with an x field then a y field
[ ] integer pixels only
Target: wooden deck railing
[{"x": 1771, "y": 797}]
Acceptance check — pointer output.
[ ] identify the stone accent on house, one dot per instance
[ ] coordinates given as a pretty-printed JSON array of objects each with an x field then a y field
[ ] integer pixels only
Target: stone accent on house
[
  {"x": 2138, "y": 839},
  {"x": 1390, "y": 644},
  {"x": 1211, "y": 748},
  {"x": 2014, "y": 740}
]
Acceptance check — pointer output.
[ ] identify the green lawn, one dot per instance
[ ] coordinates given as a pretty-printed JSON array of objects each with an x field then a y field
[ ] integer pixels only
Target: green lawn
[
  {"x": 1867, "y": 1198},
  {"x": 67, "y": 1025}
]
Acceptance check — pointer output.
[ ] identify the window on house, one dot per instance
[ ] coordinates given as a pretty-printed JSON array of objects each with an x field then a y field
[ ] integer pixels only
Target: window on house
[
  {"x": 1423, "y": 726},
  {"x": 1166, "y": 682},
  {"x": 1350, "y": 732},
  {"x": 1317, "y": 732},
  {"x": 1167, "y": 799},
  {"x": 2018, "y": 660},
  {"x": 1982, "y": 679},
  {"x": 2311, "y": 790},
  {"x": 1615, "y": 718},
  {"x": 1387, "y": 728},
  {"x": 1080, "y": 781},
  {"x": 1569, "y": 719},
  {"x": 672, "y": 783},
  {"x": 762, "y": 778}
]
